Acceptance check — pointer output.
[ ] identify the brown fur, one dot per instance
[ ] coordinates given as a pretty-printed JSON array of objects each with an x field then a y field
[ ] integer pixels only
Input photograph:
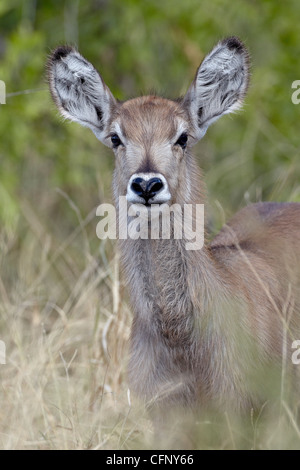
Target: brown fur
[
  {"x": 209, "y": 323},
  {"x": 210, "y": 327}
]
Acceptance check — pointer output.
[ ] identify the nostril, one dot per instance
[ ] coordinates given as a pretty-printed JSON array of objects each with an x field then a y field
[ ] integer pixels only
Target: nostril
[
  {"x": 154, "y": 186},
  {"x": 137, "y": 186}
]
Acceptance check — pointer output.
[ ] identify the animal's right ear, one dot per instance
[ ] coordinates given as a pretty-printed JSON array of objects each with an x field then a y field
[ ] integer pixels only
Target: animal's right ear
[
  {"x": 219, "y": 86},
  {"x": 79, "y": 91}
]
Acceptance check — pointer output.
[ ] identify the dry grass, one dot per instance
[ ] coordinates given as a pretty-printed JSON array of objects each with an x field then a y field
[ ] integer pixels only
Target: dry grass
[
  {"x": 66, "y": 329},
  {"x": 65, "y": 320}
]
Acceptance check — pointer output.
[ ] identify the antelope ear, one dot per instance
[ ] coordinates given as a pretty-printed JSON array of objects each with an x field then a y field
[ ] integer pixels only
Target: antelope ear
[
  {"x": 220, "y": 84},
  {"x": 79, "y": 91}
]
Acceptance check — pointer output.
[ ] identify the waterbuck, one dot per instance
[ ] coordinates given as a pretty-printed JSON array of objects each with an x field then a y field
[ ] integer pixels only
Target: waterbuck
[{"x": 210, "y": 326}]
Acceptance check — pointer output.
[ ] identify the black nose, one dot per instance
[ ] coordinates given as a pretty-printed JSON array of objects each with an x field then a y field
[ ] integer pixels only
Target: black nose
[{"x": 146, "y": 189}]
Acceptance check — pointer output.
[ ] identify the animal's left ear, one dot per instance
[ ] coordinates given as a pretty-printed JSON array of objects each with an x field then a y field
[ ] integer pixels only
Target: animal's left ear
[{"x": 220, "y": 84}]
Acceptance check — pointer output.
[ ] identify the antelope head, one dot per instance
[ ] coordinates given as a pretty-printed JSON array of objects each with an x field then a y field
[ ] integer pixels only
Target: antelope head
[{"x": 151, "y": 136}]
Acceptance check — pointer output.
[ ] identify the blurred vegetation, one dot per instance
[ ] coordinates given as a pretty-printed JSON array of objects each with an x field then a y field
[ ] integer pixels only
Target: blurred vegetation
[
  {"x": 53, "y": 174},
  {"x": 139, "y": 46}
]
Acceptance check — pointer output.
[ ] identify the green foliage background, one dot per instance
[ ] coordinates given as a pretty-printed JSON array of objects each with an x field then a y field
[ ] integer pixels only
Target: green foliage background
[{"x": 139, "y": 46}]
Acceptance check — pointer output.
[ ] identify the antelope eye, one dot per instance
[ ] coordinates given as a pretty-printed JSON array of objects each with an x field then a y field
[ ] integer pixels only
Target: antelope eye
[
  {"x": 182, "y": 141},
  {"x": 116, "y": 141}
]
